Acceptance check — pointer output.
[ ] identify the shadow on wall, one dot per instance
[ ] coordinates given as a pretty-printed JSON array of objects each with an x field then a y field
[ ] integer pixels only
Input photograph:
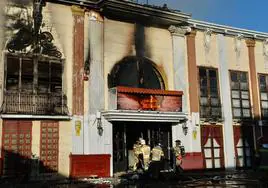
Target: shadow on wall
[
  {"x": 17, "y": 169},
  {"x": 249, "y": 138}
]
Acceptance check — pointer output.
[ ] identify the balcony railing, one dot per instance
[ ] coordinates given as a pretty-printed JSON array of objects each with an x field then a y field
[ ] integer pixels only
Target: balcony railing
[{"x": 35, "y": 104}]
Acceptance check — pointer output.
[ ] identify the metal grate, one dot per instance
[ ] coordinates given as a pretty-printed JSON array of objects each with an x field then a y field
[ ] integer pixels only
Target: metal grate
[{"x": 38, "y": 104}]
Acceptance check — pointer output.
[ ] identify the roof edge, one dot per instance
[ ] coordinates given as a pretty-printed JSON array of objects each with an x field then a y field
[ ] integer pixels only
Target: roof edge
[{"x": 228, "y": 30}]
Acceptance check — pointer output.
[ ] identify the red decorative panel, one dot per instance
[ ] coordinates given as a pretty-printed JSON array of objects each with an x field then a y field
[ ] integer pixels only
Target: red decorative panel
[
  {"x": 88, "y": 165},
  {"x": 49, "y": 146},
  {"x": 149, "y": 99},
  {"x": 17, "y": 146},
  {"x": 193, "y": 161}
]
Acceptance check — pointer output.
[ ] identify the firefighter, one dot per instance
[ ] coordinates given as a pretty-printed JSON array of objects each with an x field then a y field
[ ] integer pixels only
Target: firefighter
[
  {"x": 157, "y": 153},
  {"x": 156, "y": 164},
  {"x": 137, "y": 153},
  {"x": 146, "y": 152},
  {"x": 178, "y": 152}
]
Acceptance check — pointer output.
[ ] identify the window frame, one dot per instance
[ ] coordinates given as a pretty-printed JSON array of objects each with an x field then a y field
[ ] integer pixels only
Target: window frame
[
  {"x": 209, "y": 96},
  {"x": 260, "y": 92},
  {"x": 35, "y": 59},
  {"x": 239, "y": 73}
]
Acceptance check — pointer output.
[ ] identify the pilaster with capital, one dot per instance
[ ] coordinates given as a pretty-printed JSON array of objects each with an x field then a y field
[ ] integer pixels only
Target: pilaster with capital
[
  {"x": 179, "y": 61},
  {"x": 78, "y": 82},
  {"x": 253, "y": 77},
  {"x": 192, "y": 72},
  {"x": 78, "y": 60},
  {"x": 179, "y": 31}
]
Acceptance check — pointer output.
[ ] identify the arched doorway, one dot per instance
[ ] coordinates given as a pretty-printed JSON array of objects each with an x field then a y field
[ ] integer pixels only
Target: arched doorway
[{"x": 137, "y": 72}]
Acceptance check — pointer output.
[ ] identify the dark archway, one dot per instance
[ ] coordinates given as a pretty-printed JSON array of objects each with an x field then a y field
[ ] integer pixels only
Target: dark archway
[{"x": 136, "y": 72}]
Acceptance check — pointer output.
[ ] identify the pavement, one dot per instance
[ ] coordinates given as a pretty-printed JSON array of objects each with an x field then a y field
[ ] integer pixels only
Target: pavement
[{"x": 231, "y": 178}]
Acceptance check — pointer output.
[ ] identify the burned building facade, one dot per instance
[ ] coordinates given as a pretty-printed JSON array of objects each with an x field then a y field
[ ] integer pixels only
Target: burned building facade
[{"x": 81, "y": 81}]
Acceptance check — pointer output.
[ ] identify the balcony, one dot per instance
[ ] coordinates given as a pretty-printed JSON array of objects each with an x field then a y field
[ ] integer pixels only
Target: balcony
[
  {"x": 127, "y": 98},
  {"x": 144, "y": 105},
  {"x": 34, "y": 104}
]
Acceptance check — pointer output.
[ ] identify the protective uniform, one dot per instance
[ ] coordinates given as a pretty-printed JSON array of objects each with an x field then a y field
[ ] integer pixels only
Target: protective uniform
[
  {"x": 156, "y": 164},
  {"x": 177, "y": 150},
  {"x": 177, "y": 153},
  {"x": 137, "y": 152},
  {"x": 146, "y": 152},
  {"x": 157, "y": 153}
]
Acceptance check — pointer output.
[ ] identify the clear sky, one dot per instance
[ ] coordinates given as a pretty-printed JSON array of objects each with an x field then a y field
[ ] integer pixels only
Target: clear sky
[{"x": 246, "y": 14}]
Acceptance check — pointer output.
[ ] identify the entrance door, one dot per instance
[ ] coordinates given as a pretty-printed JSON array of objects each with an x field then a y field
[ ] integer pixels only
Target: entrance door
[
  {"x": 244, "y": 146},
  {"x": 119, "y": 147},
  {"x": 161, "y": 134},
  {"x": 17, "y": 137}
]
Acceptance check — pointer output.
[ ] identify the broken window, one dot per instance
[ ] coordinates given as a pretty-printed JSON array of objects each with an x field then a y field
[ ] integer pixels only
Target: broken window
[
  {"x": 210, "y": 106},
  {"x": 240, "y": 95},
  {"x": 21, "y": 75}
]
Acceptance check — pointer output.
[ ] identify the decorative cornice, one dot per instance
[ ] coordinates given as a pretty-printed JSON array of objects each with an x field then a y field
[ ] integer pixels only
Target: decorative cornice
[
  {"x": 227, "y": 30},
  {"x": 250, "y": 43},
  {"x": 76, "y": 10},
  {"x": 144, "y": 116},
  {"x": 179, "y": 31}
]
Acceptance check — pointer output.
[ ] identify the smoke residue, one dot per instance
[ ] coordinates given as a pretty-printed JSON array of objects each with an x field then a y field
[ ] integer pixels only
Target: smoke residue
[{"x": 140, "y": 40}]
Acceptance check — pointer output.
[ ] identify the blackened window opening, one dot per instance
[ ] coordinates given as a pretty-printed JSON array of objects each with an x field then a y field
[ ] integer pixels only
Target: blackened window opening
[
  {"x": 136, "y": 72},
  {"x": 33, "y": 85},
  {"x": 210, "y": 106}
]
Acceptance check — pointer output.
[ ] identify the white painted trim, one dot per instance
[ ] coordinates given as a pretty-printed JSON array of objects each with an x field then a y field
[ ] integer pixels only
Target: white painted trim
[
  {"x": 144, "y": 116},
  {"x": 19, "y": 116},
  {"x": 227, "y": 29}
]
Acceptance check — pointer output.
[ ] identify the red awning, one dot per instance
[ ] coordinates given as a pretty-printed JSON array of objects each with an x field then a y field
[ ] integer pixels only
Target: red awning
[{"x": 122, "y": 89}]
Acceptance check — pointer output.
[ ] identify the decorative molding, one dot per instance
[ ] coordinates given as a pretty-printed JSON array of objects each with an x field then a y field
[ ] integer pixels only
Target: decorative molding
[
  {"x": 207, "y": 43},
  {"x": 192, "y": 34},
  {"x": 179, "y": 31},
  {"x": 76, "y": 10},
  {"x": 207, "y": 39},
  {"x": 144, "y": 116},
  {"x": 250, "y": 43},
  {"x": 265, "y": 47},
  {"x": 238, "y": 47},
  {"x": 94, "y": 16},
  {"x": 227, "y": 30},
  {"x": 265, "y": 54}
]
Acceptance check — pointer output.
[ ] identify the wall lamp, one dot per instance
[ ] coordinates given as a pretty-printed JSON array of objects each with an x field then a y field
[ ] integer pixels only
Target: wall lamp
[
  {"x": 99, "y": 123},
  {"x": 184, "y": 128}
]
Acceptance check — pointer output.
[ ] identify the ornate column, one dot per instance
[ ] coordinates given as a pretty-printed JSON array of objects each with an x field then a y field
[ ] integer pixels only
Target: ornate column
[
  {"x": 224, "y": 84},
  {"x": 78, "y": 82},
  {"x": 253, "y": 77},
  {"x": 179, "y": 61}
]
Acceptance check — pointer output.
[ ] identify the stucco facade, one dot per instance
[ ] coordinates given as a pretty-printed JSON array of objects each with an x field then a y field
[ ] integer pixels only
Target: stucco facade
[{"x": 96, "y": 43}]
